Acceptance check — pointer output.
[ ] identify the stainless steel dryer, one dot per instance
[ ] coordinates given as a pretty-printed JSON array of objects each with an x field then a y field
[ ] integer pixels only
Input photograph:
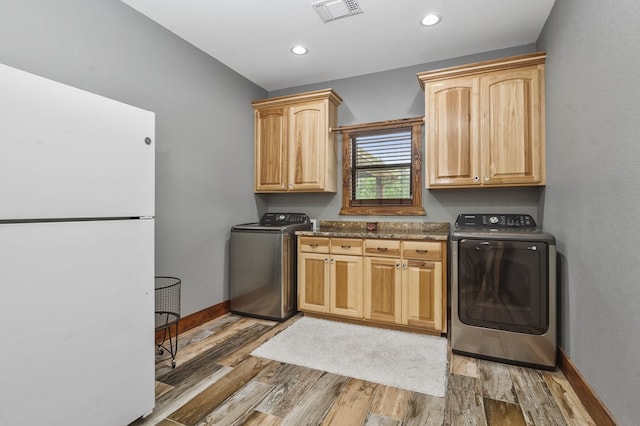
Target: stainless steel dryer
[
  {"x": 503, "y": 290},
  {"x": 263, "y": 265}
]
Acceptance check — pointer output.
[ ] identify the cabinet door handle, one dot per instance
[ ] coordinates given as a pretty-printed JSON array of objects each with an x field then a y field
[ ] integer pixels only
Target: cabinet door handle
[
  {"x": 313, "y": 245},
  {"x": 346, "y": 247},
  {"x": 422, "y": 251},
  {"x": 382, "y": 249}
]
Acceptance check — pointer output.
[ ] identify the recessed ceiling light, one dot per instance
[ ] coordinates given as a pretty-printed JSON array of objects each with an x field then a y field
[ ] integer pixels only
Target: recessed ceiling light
[
  {"x": 430, "y": 20},
  {"x": 299, "y": 50}
]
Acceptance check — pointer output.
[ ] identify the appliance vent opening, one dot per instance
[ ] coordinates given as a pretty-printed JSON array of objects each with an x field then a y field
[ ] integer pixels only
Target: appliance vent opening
[{"x": 330, "y": 10}]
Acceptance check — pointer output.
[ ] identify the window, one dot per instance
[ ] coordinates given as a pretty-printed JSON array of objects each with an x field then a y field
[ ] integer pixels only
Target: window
[{"x": 382, "y": 168}]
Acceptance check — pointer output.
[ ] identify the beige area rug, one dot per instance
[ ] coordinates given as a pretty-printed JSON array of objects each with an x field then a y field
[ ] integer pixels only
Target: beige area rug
[{"x": 405, "y": 360}]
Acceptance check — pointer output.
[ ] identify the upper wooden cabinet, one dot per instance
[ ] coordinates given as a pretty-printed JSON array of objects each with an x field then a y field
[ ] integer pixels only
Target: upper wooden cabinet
[
  {"x": 294, "y": 148},
  {"x": 484, "y": 123}
]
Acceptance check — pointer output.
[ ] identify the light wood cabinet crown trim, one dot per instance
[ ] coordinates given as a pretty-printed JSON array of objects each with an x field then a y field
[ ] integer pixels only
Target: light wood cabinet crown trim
[
  {"x": 512, "y": 62},
  {"x": 299, "y": 97}
]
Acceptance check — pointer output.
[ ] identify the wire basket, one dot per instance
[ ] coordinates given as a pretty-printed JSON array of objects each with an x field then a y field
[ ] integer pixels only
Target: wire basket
[{"x": 167, "y": 313}]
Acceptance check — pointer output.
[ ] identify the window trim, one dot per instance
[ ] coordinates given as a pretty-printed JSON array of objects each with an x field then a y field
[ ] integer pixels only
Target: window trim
[{"x": 349, "y": 132}]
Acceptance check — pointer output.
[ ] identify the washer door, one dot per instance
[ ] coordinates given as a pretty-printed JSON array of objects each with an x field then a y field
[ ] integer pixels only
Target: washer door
[{"x": 504, "y": 285}]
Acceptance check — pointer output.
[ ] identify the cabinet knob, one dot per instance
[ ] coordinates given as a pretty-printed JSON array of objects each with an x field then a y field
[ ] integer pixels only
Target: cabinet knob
[
  {"x": 332, "y": 261},
  {"x": 476, "y": 178},
  {"x": 282, "y": 185},
  {"x": 397, "y": 266},
  {"x": 486, "y": 178},
  {"x": 404, "y": 266},
  {"x": 290, "y": 186},
  {"x": 326, "y": 260}
]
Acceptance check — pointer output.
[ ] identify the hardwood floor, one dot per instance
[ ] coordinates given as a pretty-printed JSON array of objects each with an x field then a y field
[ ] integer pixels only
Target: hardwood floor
[{"x": 217, "y": 382}]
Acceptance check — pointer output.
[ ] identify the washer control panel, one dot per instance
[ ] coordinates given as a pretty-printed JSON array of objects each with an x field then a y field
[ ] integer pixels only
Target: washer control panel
[
  {"x": 280, "y": 219},
  {"x": 495, "y": 221}
]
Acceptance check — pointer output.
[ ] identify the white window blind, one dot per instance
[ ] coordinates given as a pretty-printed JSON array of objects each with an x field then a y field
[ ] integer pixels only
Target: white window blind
[{"x": 381, "y": 168}]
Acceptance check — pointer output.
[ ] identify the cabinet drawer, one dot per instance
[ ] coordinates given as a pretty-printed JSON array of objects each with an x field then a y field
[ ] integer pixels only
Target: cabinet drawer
[
  {"x": 386, "y": 248},
  {"x": 346, "y": 246},
  {"x": 421, "y": 250},
  {"x": 313, "y": 244}
]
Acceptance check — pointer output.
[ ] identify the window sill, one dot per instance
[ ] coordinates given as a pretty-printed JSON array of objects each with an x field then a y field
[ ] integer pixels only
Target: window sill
[{"x": 383, "y": 211}]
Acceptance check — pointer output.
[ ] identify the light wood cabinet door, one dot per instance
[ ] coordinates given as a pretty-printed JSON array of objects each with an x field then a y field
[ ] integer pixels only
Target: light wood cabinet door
[
  {"x": 308, "y": 138},
  {"x": 511, "y": 128},
  {"x": 346, "y": 286},
  {"x": 270, "y": 149},
  {"x": 453, "y": 134},
  {"x": 422, "y": 294},
  {"x": 382, "y": 289},
  {"x": 313, "y": 282}
]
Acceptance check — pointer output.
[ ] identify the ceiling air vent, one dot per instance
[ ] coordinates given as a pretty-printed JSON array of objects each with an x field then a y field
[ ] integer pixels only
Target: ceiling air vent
[{"x": 330, "y": 10}]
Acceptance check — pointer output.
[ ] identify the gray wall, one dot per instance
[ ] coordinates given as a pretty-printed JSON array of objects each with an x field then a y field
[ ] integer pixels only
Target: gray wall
[
  {"x": 204, "y": 140},
  {"x": 397, "y": 94},
  {"x": 204, "y": 134},
  {"x": 592, "y": 196}
]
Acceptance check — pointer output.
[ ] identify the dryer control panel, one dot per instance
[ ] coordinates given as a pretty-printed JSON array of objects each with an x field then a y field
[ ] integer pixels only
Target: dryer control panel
[{"x": 495, "y": 221}]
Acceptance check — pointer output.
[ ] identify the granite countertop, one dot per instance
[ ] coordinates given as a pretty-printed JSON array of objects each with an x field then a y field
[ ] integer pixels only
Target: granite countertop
[{"x": 385, "y": 230}]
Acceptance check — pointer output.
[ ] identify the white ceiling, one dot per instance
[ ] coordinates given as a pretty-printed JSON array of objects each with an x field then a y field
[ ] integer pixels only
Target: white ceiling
[{"x": 254, "y": 37}]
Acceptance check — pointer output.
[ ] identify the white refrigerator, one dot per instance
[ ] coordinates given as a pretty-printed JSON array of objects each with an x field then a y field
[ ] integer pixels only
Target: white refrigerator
[{"x": 76, "y": 255}]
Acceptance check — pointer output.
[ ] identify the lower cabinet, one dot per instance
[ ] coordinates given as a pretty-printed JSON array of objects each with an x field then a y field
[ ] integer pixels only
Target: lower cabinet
[
  {"x": 313, "y": 282},
  {"x": 328, "y": 281},
  {"x": 379, "y": 281},
  {"x": 422, "y": 294},
  {"x": 383, "y": 281}
]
